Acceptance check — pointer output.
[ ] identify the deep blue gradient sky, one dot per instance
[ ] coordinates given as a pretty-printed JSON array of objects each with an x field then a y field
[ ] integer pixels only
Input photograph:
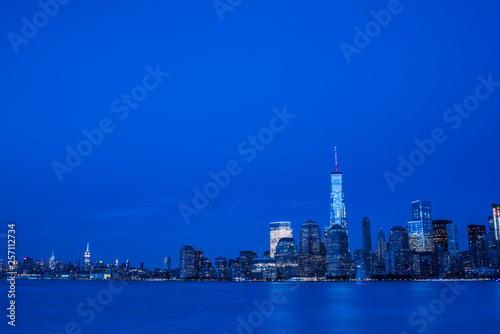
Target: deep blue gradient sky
[{"x": 225, "y": 79}]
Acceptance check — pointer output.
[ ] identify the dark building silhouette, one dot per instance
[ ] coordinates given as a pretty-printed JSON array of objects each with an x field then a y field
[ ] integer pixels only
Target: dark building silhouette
[
  {"x": 366, "y": 234},
  {"x": 187, "y": 267},
  {"x": 379, "y": 266},
  {"x": 398, "y": 257},
  {"x": 246, "y": 259},
  {"x": 198, "y": 262},
  {"x": 441, "y": 254},
  {"x": 310, "y": 262},
  {"x": 338, "y": 262},
  {"x": 476, "y": 245}
]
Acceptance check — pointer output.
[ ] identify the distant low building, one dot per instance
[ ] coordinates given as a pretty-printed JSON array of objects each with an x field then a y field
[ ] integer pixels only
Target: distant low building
[{"x": 264, "y": 268}]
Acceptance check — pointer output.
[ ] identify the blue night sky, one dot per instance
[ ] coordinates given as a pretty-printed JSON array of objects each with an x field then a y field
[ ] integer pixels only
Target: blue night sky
[{"x": 225, "y": 78}]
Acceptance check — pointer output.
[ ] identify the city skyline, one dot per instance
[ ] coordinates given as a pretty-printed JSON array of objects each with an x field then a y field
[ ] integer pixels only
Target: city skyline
[
  {"x": 207, "y": 104},
  {"x": 288, "y": 164},
  {"x": 366, "y": 240}
]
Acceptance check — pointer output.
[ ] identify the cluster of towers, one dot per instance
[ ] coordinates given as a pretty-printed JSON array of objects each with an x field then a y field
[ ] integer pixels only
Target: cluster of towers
[{"x": 425, "y": 248}]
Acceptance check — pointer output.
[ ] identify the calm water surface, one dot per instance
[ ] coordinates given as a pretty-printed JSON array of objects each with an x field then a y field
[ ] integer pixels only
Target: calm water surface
[{"x": 220, "y": 307}]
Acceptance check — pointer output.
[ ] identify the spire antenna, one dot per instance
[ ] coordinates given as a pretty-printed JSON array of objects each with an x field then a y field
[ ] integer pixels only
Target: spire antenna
[{"x": 336, "y": 165}]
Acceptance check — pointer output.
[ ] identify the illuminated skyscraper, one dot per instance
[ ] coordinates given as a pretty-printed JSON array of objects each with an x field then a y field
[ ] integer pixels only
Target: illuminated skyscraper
[
  {"x": 477, "y": 250},
  {"x": 52, "y": 261},
  {"x": 86, "y": 258},
  {"x": 420, "y": 229},
  {"x": 338, "y": 260},
  {"x": 491, "y": 249},
  {"x": 279, "y": 230},
  {"x": 453, "y": 249},
  {"x": 198, "y": 262},
  {"x": 452, "y": 233},
  {"x": 398, "y": 257},
  {"x": 337, "y": 202},
  {"x": 441, "y": 253},
  {"x": 166, "y": 263},
  {"x": 496, "y": 221},
  {"x": 287, "y": 258},
  {"x": 187, "y": 267}
]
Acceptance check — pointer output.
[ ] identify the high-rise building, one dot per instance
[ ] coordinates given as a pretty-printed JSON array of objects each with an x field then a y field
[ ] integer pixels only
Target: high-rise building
[
  {"x": 337, "y": 201},
  {"x": 287, "y": 258},
  {"x": 87, "y": 265},
  {"x": 441, "y": 253},
  {"x": 246, "y": 259},
  {"x": 363, "y": 263},
  {"x": 219, "y": 270},
  {"x": 233, "y": 268},
  {"x": 52, "y": 261},
  {"x": 310, "y": 263},
  {"x": 452, "y": 233},
  {"x": 322, "y": 252},
  {"x": 166, "y": 263},
  {"x": 205, "y": 268},
  {"x": 78, "y": 261},
  {"x": 279, "y": 230},
  {"x": 420, "y": 228},
  {"x": 198, "y": 261},
  {"x": 491, "y": 248},
  {"x": 379, "y": 267},
  {"x": 476, "y": 245},
  {"x": 187, "y": 267},
  {"x": 338, "y": 261},
  {"x": 366, "y": 234},
  {"x": 496, "y": 221},
  {"x": 398, "y": 257},
  {"x": 491, "y": 225},
  {"x": 453, "y": 248}
]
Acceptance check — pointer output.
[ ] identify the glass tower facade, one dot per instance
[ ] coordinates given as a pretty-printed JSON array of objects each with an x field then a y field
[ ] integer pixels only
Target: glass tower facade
[
  {"x": 337, "y": 202},
  {"x": 398, "y": 257},
  {"x": 246, "y": 259},
  {"x": 279, "y": 230},
  {"x": 187, "y": 266},
  {"x": 380, "y": 256},
  {"x": 477, "y": 252},
  {"x": 441, "y": 254},
  {"x": 337, "y": 253},
  {"x": 496, "y": 221},
  {"x": 452, "y": 232},
  {"x": 310, "y": 260},
  {"x": 420, "y": 228},
  {"x": 86, "y": 259},
  {"x": 287, "y": 258},
  {"x": 366, "y": 234}
]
